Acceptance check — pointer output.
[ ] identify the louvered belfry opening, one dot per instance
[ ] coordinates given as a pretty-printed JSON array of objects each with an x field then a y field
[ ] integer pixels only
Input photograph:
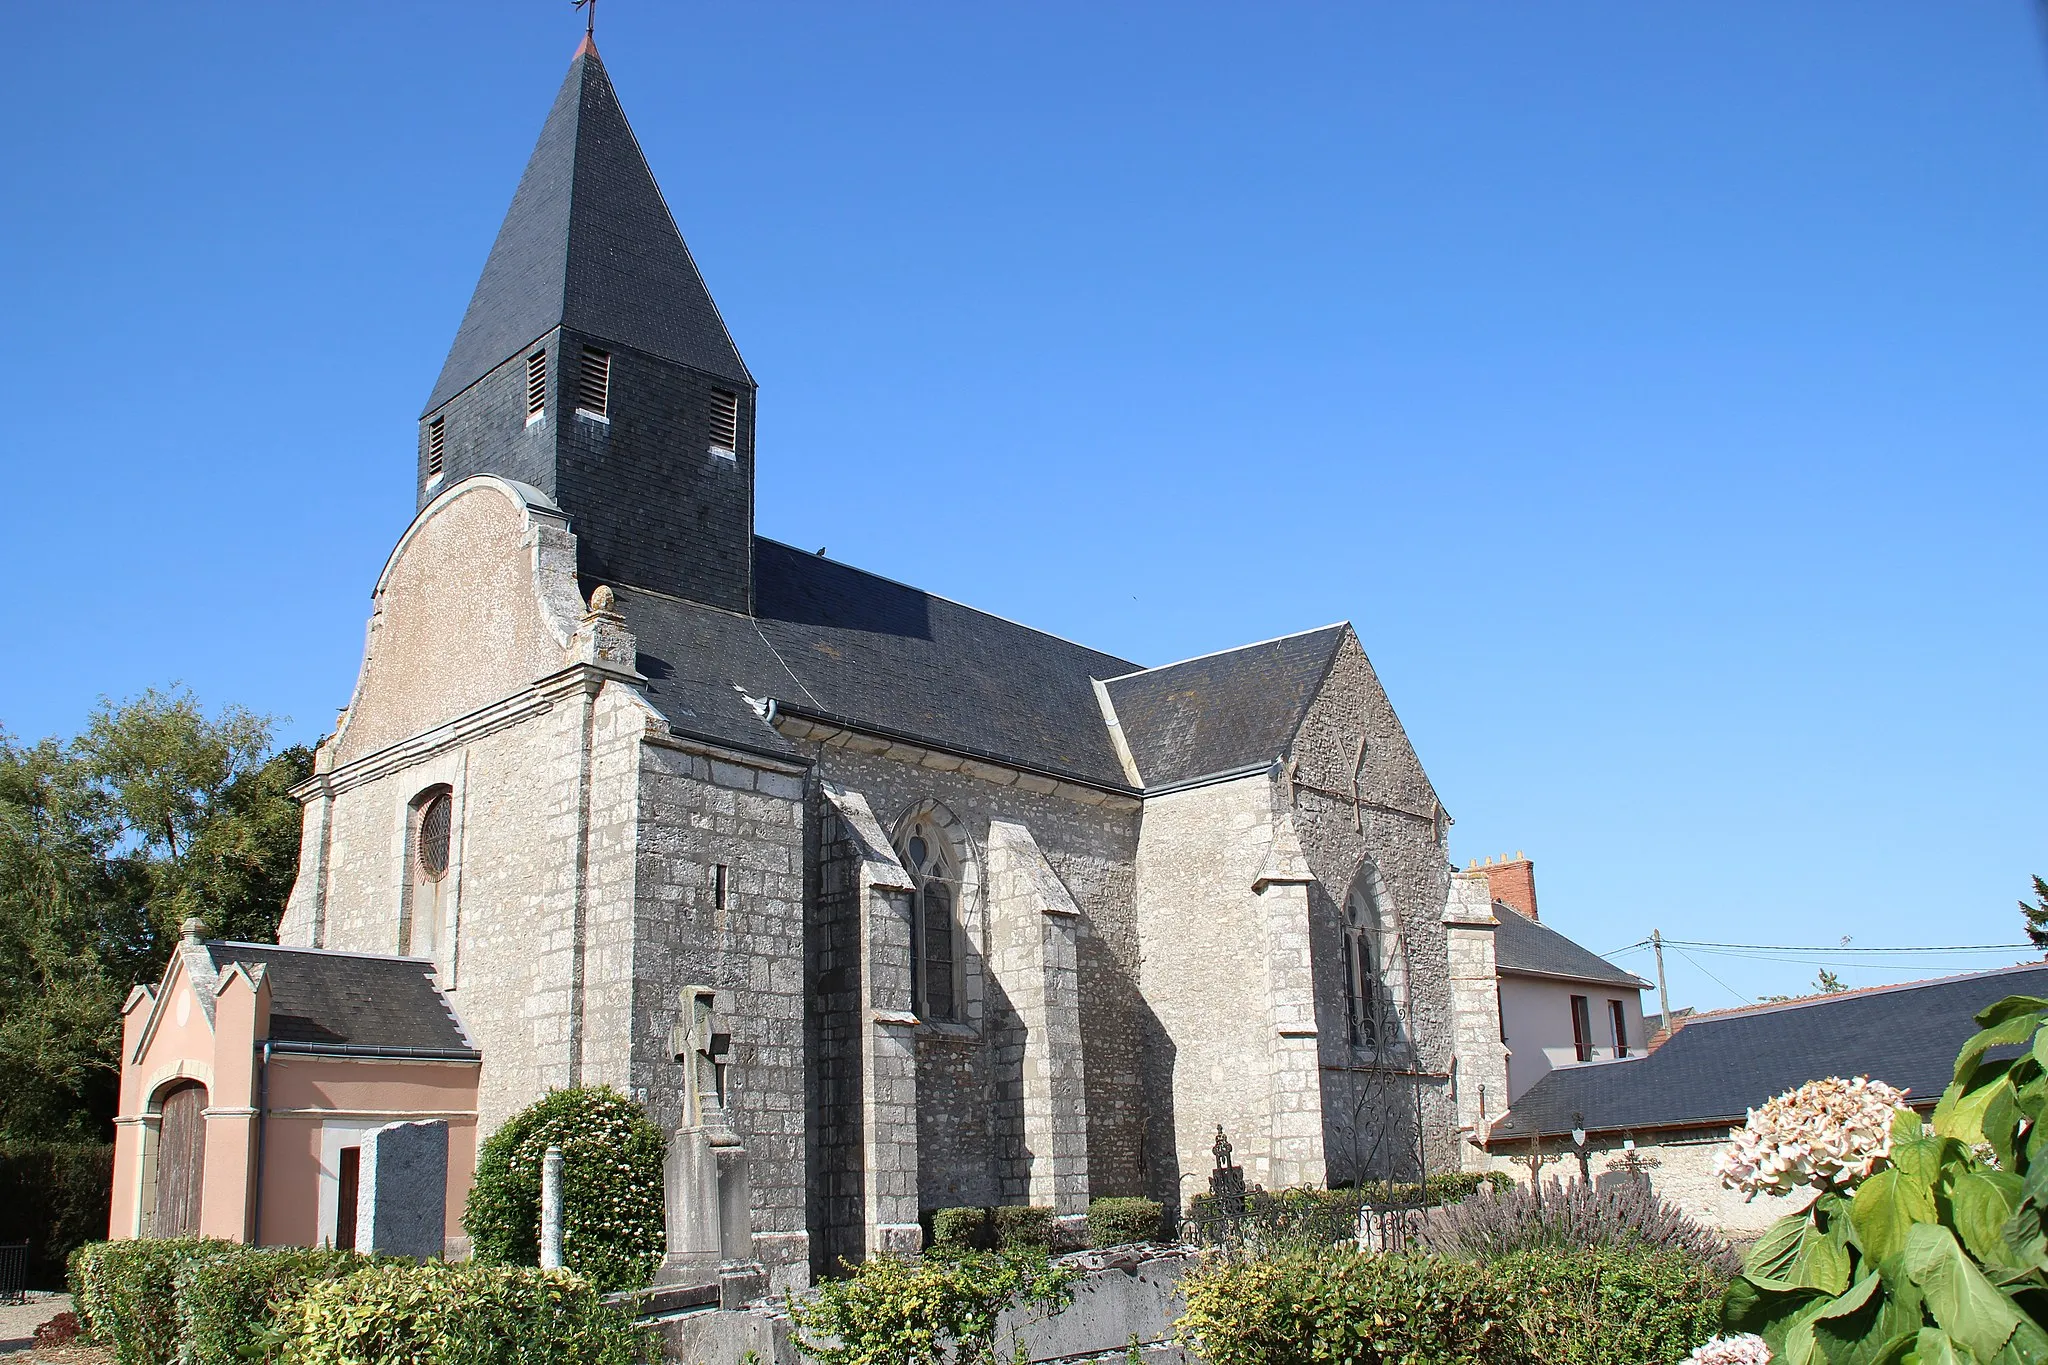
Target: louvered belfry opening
[
  {"x": 536, "y": 386},
  {"x": 725, "y": 420},
  {"x": 594, "y": 383},
  {"x": 437, "y": 447}
]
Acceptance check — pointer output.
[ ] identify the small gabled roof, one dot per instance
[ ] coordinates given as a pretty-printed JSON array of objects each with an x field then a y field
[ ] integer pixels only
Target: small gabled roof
[
  {"x": 1718, "y": 1066},
  {"x": 1524, "y": 947},
  {"x": 1222, "y": 712},
  {"x": 589, "y": 244},
  {"x": 356, "y": 1003}
]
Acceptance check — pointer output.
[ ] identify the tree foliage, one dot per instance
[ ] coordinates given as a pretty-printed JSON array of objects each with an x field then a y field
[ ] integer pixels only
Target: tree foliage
[
  {"x": 156, "y": 812},
  {"x": 2036, "y": 912}
]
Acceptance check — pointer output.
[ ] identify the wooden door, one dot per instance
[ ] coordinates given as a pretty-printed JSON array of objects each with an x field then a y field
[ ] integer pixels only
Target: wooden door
[{"x": 180, "y": 1162}]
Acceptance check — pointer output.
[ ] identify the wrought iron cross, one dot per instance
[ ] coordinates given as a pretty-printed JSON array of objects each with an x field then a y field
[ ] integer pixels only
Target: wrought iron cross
[{"x": 589, "y": 8}]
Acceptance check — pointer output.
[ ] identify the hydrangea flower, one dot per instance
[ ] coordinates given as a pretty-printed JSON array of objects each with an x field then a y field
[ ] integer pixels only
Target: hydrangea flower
[
  {"x": 1827, "y": 1134},
  {"x": 1739, "y": 1350}
]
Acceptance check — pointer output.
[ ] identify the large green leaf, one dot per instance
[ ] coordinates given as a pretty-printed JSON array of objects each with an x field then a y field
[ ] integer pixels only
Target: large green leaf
[
  {"x": 1980, "y": 1204},
  {"x": 2001, "y": 1124},
  {"x": 2010, "y": 1007},
  {"x": 1966, "y": 1304},
  {"x": 1915, "y": 1149},
  {"x": 2007, "y": 1032},
  {"x": 1769, "y": 1313},
  {"x": 1867, "y": 1325},
  {"x": 1823, "y": 1262},
  {"x": 1936, "y": 1347},
  {"x": 1888, "y": 1205},
  {"x": 1961, "y": 1112},
  {"x": 1774, "y": 1255},
  {"x": 2025, "y": 1236}
]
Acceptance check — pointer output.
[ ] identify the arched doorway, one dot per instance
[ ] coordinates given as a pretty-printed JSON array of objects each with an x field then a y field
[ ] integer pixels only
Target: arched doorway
[{"x": 180, "y": 1161}]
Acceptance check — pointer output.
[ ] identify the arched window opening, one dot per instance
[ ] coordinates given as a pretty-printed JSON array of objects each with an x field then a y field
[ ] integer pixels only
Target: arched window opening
[
  {"x": 422, "y": 921},
  {"x": 934, "y": 867},
  {"x": 1375, "y": 966}
]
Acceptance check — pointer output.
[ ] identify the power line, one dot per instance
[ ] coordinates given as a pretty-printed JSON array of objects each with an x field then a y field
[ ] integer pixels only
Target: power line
[
  {"x": 1715, "y": 979},
  {"x": 1832, "y": 950}
]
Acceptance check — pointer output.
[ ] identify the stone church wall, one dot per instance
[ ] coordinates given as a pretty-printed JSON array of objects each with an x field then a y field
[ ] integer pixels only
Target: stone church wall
[
  {"x": 1203, "y": 934},
  {"x": 1092, "y": 850},
  {"x": 1394, "y": 822},
  {"x": 698, "y": 813}
]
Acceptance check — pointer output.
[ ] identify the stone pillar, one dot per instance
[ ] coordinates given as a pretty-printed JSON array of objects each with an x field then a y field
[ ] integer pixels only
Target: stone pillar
[
  {"x": 1295, "y": 1072},
  {"x": 551, "y": 1209},
  {"x": 402, "y": 1197},
  {"x": 1482, "y": 1058},
  {"x": 888, "y": 1053},
  {"x": 1034, "y": 926}
]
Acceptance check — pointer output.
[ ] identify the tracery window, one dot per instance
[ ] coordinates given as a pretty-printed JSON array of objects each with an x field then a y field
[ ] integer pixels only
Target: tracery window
[
  {"x": 934, "y": 866},
  {"x": 422, "y": 920},
  {"x": 1375, "y": 965}
]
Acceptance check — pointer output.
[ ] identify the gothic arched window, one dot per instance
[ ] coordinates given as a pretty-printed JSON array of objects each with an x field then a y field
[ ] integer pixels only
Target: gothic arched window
[
  {"x": 1375, "y": 965},
  {"x": 934, "y": 867},
  {"x": 422, "y": 920}
]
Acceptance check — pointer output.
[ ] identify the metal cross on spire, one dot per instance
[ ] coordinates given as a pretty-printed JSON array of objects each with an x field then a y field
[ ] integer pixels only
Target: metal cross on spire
[{"x": 589, "y": 8}]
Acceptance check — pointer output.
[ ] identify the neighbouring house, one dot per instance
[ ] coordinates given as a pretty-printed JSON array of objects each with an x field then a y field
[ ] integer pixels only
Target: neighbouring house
[
  {"x": 250, "y": 1076},
  {"x": 1666, "y": 1115},
  {"x": 1560, "y": 1004}
]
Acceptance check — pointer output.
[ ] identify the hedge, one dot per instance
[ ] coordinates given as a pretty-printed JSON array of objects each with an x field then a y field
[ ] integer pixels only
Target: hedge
[
  {"x": 1119, "y": 1222},
  {"x": 964, "y": 1229},
  {"x": 227, "y": 1304},
  {"x": 127, "y": 1292},
  {"x": 55, "y": 1196},
  {"x": 1580, "y": 1307},
  {"x": 613, "y": 1228},
  {"x": 439, "y": 1314},
  {"x": 1003, "y": 1228},
  {"x": 942, "y": 1308}
]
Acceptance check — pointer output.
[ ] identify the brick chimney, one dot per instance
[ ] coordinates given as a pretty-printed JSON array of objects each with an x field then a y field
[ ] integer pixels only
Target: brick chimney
[{"x": 1512, "y": 882}]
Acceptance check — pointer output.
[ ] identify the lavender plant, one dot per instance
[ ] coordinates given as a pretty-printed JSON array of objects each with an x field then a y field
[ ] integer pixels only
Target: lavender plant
[{"x": 1496, "y": 1223}]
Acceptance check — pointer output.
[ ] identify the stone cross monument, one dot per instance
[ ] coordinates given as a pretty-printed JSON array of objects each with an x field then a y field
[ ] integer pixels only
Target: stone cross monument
[{"x": 709, "y": 1197}]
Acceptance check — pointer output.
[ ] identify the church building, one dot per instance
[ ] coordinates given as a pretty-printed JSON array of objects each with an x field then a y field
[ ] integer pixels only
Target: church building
[{"x": 984, "y": 916}]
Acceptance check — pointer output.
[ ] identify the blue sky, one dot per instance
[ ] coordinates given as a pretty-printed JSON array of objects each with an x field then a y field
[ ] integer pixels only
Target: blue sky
[{"x": 1658, "y": 388}]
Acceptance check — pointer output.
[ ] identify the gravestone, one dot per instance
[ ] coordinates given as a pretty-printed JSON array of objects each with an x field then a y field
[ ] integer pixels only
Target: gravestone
[{"x": 402, "y": 1200}]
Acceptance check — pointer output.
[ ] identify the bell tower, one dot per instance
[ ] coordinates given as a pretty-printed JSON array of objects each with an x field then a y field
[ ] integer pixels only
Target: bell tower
[{"x": 593, "y": 365}]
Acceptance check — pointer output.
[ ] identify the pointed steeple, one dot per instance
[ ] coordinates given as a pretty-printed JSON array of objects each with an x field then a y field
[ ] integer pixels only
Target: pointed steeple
[{"x": 589, "y": 244}]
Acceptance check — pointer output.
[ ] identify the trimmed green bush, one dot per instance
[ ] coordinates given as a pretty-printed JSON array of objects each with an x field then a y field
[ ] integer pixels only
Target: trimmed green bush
[
  {"x": 1022, "y": 1225},
  {"x": 55, "y": 1196},
  {"x": 961, "y": 1229},
  {"x": 1341, "y": 1306},
  {"x": 612, "y": 1217},
  {"x": 1612, "y": 1307},
  {"x": 1556, "y": 1307},
  {"x": 228, "y": 1305},
  {"x": 940, "y": 1310},
  {"x": 1119, "y": 1222},
  {"x": 433, "y": 1313},
  {"x": 127, "y": 1292}
]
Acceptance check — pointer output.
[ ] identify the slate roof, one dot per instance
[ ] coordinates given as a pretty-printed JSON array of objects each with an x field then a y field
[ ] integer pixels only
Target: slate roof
[
  {"x": 1527, "y": 946},
  {"x": 1713, "y": 1069},
  {"x": 589, "y": 244},
  {"x": 352, "y": 1002},
  {"x": 1224, "y": 711},
  {"x": 837, "y": 642}
]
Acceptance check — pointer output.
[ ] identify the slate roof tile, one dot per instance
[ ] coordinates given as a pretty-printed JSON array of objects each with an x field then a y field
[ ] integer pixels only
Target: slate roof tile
[
  {"x": 1525, "y": 945},
  {"x": 352, "y": 1000}
]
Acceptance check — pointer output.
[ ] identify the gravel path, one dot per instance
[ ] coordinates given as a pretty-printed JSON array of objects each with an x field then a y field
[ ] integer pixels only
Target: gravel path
[{"x": 18, "y": 1321}]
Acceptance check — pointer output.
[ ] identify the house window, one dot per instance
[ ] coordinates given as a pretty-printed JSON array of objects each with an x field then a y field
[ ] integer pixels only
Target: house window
[
  {"x": 725, "y": 421},
  {"x": 536, "y": 386},
  {"x": 929, "y": 857},
  {"x": 1582, "y": 1027},
  {"x": 1618, "y": 1017},
  {"x": 436, "y": 448},
  {"x": 718, "y": 876},
  {"x": 422, "y": 920},
  {"x": 1375, "y": 965},
  {"x": 594, "y": 383}
]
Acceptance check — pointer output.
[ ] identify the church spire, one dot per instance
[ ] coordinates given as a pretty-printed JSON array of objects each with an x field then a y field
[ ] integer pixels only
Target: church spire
[
  {"x": 593, "y": 366},
  {"x": 589, "y": 244}
]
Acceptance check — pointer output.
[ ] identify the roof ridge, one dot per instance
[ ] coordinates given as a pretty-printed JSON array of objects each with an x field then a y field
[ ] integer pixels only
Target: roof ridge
[
  {"x": 322, "y": 952},
  {"x": 1234, "y": 649},
  {"x": 1807, "y": 1001}
]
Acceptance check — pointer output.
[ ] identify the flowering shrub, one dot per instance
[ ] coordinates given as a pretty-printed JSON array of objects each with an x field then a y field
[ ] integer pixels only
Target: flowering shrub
[
  {"x": 1917, "y": 1251},
  {"x": 1828, "y": 1134},
  {"x": 613, "y": 1230},
  {"x": 1626, "y": 1214},
  {"x": 1738, "y": 1350}
]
